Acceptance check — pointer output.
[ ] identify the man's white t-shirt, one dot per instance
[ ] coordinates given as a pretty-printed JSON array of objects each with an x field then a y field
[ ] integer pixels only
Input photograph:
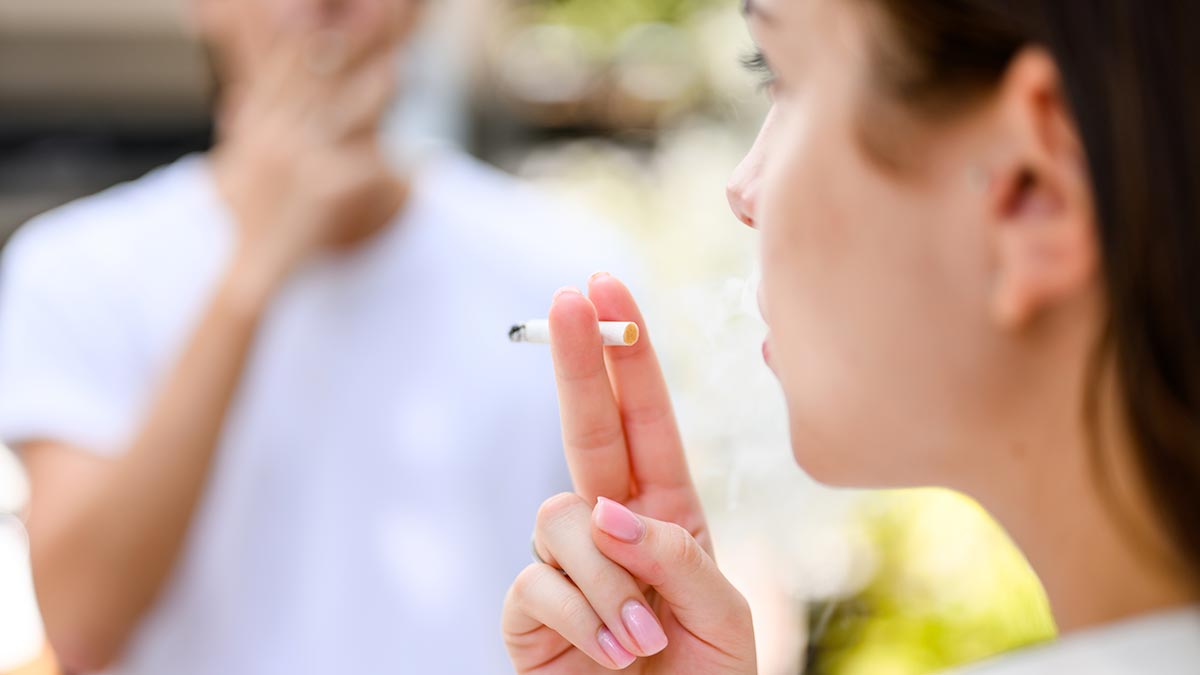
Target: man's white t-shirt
[
  {"x": 21, "y": 638},
  {"x": 381, "y": 465}
]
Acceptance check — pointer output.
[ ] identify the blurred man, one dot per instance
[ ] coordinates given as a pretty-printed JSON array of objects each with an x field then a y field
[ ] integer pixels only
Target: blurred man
[
  {"x": 22, "y": 643},
  {"x": 264, "y": 395}
]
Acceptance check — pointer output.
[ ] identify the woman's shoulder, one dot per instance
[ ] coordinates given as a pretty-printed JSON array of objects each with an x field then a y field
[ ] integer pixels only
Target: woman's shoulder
[{"x": 1163, "y": 644}]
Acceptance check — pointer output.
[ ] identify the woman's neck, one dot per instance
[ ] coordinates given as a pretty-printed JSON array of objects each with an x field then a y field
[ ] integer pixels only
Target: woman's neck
[{"x": 1084, "y": 520}]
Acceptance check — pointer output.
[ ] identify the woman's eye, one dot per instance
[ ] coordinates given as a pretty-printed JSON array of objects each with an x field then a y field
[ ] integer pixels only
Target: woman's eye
[{"x": 756, "y": 62}]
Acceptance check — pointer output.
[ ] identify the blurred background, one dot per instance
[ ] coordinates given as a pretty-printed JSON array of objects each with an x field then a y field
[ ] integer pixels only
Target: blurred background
[{"x": 637, "y": 110}]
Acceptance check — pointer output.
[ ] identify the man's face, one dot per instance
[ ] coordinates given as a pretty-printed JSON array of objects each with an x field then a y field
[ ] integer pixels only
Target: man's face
[{"x": 241, "y": 33}]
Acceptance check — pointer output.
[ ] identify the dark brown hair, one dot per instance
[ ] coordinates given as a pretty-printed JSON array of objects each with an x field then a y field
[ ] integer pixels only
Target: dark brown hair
[{"x": 1131, "y": 74}]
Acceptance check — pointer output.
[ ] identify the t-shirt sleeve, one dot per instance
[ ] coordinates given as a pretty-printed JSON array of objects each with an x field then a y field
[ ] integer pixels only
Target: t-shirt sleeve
[{"x": 69, "y": 368}]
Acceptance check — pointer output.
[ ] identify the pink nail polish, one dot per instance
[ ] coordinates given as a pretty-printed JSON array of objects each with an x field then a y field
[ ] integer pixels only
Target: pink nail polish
[
  {"x": 614, "y": 650},
  {"x": 618, "y": 522},
  {"x": 567, "y": 289},
  {"x": 644, "y": 627}
]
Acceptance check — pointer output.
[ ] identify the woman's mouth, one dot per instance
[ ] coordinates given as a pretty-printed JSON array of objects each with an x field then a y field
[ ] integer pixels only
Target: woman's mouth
[{"x": 762, "y": 312}]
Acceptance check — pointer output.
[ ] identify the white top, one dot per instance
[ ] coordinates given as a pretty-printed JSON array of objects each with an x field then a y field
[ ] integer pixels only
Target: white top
[
  {"x": 380, "y": 469},
  {"x": 1160, "y": 644},
  {"x": 21, "y": 637}
]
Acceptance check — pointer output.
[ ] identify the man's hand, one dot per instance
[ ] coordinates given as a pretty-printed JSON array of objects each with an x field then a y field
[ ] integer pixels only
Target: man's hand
[{"x": 298, "y": 162}]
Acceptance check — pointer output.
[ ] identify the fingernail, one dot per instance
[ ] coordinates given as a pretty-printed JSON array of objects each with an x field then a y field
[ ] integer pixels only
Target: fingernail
[
  {"x": 613, "y": 649},
  {"x": 644, "y": 627},
  {"x": 567, "y": 289},
  {"x": 599, "y": 275},
  {"x": 618, "y": 522}
]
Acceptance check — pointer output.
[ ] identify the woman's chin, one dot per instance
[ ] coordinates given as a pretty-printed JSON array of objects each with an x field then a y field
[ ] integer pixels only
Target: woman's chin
[
  {"x": 831, "y": 464},
  {"x": 816, "y": 458},
  {"x": 821, "y": 468}
]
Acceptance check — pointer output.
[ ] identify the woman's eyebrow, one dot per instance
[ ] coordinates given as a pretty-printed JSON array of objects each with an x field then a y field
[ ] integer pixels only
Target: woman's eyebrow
[{"x": 752, "y": 10}]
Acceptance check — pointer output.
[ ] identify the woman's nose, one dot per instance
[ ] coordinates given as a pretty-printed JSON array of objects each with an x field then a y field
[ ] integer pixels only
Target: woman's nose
[
  {"x": 744, "y": 185},
  {"x": 742, "y": 194}
]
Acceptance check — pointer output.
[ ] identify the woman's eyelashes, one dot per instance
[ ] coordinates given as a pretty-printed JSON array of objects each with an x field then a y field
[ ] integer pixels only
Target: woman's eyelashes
[{"x": 756, "y": 62}]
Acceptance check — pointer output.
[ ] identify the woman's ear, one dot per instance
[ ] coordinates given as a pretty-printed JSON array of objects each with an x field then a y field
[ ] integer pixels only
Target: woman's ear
[{"x": 1043, "y": 230}]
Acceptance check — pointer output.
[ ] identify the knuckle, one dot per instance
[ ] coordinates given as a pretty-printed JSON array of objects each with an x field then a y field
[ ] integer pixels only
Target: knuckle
[
  {"x": 598, "y": 438},
  {"x": 683, "y": 548},
  {"x": 525, "y": 582},
  {"x": 739, "y": 609},
  {"x": 740, "y": 618},
  {"x": 743, "y": 606},
  {"x": 645, "y": 416},
  {"x": 557, "y": 509},
  {"x": 525, "y": 586},
  {"x": 574, "y": 610},
  {"x": 612, "y": 579}
]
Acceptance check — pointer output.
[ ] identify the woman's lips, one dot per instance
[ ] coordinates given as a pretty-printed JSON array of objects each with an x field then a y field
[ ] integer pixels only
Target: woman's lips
[{"x": 762, "y": 311}]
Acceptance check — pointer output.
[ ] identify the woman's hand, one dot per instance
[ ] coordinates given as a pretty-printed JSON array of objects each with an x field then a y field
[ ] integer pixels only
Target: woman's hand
[{"x": 638, "y": 584}]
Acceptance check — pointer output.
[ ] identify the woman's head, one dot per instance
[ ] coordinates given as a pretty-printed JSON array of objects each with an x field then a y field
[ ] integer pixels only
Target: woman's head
[{"x": 971, "y": 210}]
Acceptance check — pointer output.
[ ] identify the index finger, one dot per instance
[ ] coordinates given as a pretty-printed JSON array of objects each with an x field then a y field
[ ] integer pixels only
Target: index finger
[
  {"x": 593, "y": 437},
  {"x": 657, "y": 459}
]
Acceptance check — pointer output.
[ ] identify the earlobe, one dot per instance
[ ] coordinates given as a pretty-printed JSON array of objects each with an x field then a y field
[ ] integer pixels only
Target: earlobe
[{"x": 1044, "y": 258}]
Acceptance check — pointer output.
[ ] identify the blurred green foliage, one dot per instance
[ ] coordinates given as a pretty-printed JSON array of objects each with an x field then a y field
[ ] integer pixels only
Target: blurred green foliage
[
  {"x": 950, "y": 589},
  {"x": 609, "y": 18}
]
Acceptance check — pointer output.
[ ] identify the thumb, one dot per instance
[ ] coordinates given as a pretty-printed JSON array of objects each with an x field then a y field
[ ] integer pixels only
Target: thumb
[{"x": 668, "y": 558}]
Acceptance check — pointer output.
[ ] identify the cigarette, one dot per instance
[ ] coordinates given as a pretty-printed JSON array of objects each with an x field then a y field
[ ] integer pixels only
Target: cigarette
[{"x": 615, "y": 333}]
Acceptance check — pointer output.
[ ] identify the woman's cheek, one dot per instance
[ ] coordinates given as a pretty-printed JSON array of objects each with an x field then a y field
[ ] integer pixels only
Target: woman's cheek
[
  {"x": 788, "y": 297},
  {"x": 788, "y": 208}
]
